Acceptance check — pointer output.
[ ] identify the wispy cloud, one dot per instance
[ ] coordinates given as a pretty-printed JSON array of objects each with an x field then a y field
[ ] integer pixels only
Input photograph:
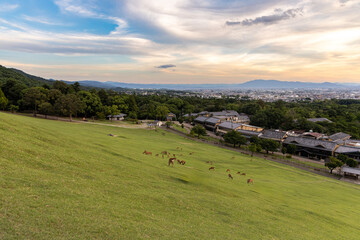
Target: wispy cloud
[
  {"x": 166, "y": 66},
  {"x": 42, "y": 20},
  {"x": 278, "y": 16},
  {"x": 8, "y": 7}
]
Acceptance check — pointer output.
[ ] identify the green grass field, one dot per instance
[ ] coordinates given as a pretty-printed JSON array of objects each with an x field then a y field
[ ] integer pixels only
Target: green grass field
[{"x": 62, "y": 180}]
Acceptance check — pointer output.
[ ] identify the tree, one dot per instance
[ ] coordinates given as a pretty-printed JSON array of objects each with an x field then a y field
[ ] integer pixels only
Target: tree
[
  {"x": 46, "y": 108},
  {"x": 34, "y": 96},
  {"x": 269, "y": 145},
  {"x": 291, "y": 149},
  {"x": 352, "y": 162},
  {"x": 61, "y": 86},
  {"x": 198, "y": 130},
  {"x": 92, "y": 103},
  {"x": 111, "y": 110},
  {"x": 333, "y": 163},
  {"x": 162, "y": 111},
  {"x": 283, "y": 150},
  {"x": 234, "y": 137},
  {"x": 3, "y": 100},
  {"x": 253, "y": 148},
  {"x": 70, "y": 104}
]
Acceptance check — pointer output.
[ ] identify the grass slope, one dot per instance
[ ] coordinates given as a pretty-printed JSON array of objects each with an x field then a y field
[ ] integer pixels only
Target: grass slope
[{"x": 71, "y": 181}]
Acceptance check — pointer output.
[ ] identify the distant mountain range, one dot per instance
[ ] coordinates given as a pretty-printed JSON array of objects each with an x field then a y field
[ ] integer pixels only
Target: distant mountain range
[
  {"x": 31, "y": 80},
  {"x": 255, "y": 84}
]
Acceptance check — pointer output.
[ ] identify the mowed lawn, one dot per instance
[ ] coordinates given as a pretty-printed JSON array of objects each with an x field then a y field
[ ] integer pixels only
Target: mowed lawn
[{"x": 63, "y": 180}]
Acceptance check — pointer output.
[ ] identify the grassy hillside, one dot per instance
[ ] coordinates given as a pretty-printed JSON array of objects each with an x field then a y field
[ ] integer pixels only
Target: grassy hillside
[{"x": 71, "y": 181}]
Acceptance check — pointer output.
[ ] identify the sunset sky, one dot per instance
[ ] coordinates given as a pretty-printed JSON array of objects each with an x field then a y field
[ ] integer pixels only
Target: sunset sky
[{"x": 182, "y": 41}]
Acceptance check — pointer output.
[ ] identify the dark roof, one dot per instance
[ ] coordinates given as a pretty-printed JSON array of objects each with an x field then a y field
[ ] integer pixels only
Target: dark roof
[
  {"x": 229, "y": 125},
  {"x": 244, "y": 118},
  {"x": 351, "y": 170},
  {"x": 311, "y": 143},
  {"x": 116, "y": 116},
  {"x": 248, "y": 133},
  {"x": 191, "y": 114},
  {"x": 313, "y": 134},
  {"x": 200, "y": 119},
  {"x": 339, "y": 136},
  {"x": 212, "y": 120},
  {"x": 272, "y": 134},
  {"x": 347, "y": 149},
  {"x": 225, "y": 113},
  {"x": 319, "y": 120}
]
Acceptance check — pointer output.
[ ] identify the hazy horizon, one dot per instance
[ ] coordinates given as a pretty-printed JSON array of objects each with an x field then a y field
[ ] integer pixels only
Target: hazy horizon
[{"x": 182, "y": 42}]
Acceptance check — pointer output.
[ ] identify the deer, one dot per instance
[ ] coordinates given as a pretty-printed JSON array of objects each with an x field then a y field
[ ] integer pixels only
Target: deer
[
  {"x": 230, "y": 176},
  {"x": 250, "y": 180},
  {"x": 211, "y": 168},
  {"x": 171, "y": 161},
  {"x": 147, "y": 153}
]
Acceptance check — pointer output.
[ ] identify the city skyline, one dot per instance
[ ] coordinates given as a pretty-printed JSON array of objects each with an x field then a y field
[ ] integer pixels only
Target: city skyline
[{"x": 139, "y": 41}]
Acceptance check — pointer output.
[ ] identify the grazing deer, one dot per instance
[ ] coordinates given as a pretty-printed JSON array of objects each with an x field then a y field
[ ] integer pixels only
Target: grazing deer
[
  {"x": 191, "y": 153},
  {"x": 244, "y": 174},
  {"x": 230, "y": 176},
  {"x": 183, "y": 162},
  {"x": 250, "y": 181},
  {"x": 174, "y": 155},
  {"x": 211, "y": 168},
  {"x": 171, "y": 161},
  {"x": 227, "y": 170},
  {"x": 238, "y": 173},
  {"x": 164, "y": 152},
  {"x": 179, "y": 162},
  {"x": 147, "y": 153}
]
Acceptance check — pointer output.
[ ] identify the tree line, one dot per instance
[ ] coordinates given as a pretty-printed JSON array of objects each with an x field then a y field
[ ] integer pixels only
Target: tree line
[{"x": 71, "y": 99}]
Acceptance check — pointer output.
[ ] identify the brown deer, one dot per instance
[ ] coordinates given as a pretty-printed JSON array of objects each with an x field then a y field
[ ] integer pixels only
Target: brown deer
[
  {"x": 171, "y": 161},
  {"x": 244, "y": 174},
  {"x": 179, "y": 162},
  {"x": 211, "y": 168},
  {"x": 164, "y": 152},
  {"x": 227, "y": 170},
  {"x": 238, "y": 173},
  {"x": 147, "y": 153},
  {"x": 183, "y": 162},
  {"x": 230, "y": 176},
  {"x": 250, "y": 181}
]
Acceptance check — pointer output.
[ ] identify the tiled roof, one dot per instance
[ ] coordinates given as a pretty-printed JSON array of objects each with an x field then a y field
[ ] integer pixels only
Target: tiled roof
[
  {"x": 200, "y": 119},
  {"x": 229, "y": 125},
  {"x": 339, "y": 136},
  {"x": 311, "y": 143},
  {"x": 272, "y": 134},
  {"x": 318, "y": 120},
  {"x": 212, "y": 120}
]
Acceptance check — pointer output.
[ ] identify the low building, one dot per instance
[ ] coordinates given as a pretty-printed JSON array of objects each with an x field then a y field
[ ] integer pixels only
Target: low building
[
  {"x": 250, "y": 128},
  {"x": 118, "y": 117},
  {"x": 249, "y": 134},
  {"x": 212, "y": 123},
  {"x": 350, "y": 172},
  {"x": 340, "y": 136},
  {"x": 225, "y": 127},
  {"x": 352, "y": 152},
  {"x": 312, "y": 135},
  {"x": 275, "y": 135},
  {"x": 312, "y": 148},
  {"x": 200, "y": 120},
  {"x": 170, "y": 117}
]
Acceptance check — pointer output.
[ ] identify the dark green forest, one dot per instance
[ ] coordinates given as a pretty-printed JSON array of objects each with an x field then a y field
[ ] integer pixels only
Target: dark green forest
[{"x": 25, "y": 93}]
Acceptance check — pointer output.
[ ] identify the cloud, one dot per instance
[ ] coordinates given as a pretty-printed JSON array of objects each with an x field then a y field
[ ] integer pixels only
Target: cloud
[
  {"x": 8, "y": 7},
  {"x": 41, "y": 20},
  {"x": 269, "y": 19},
  {"x": 166, "y": 66}
]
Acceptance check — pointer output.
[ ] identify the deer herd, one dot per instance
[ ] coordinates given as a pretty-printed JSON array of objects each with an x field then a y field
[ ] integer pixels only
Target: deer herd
[{"x": 173, "y": 158}]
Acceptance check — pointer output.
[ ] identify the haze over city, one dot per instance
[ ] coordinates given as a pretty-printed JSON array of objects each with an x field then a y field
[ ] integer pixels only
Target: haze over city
[{"x": 140, "y": 41}]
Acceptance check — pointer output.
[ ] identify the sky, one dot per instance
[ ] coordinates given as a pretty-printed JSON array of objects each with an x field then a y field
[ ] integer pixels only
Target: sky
[{"x": 182, "y": 41}]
